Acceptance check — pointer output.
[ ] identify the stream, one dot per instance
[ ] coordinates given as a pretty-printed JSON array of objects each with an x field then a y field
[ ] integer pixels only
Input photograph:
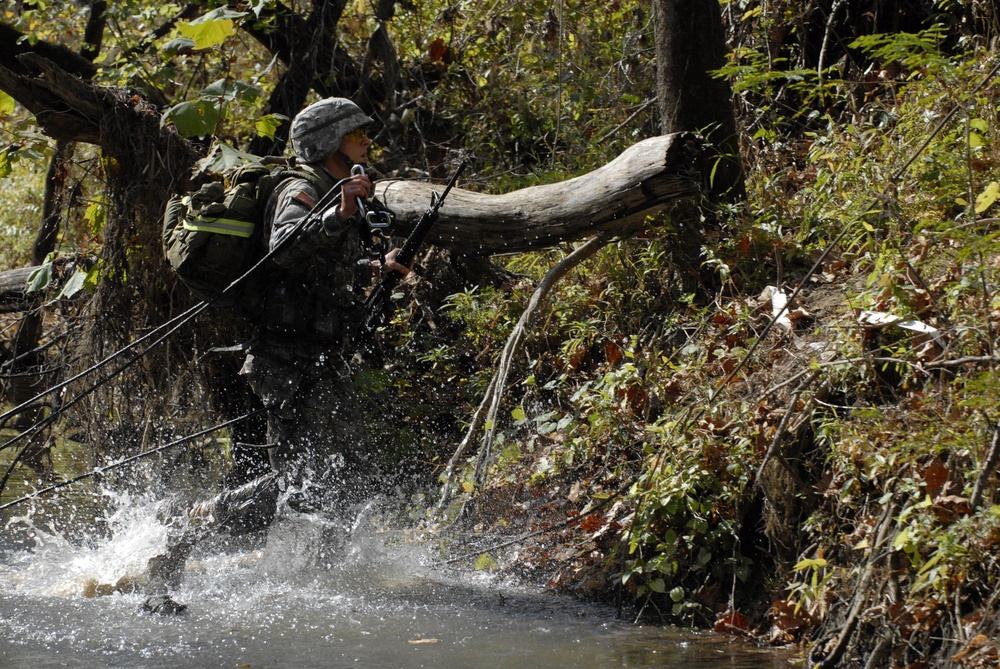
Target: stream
[{"x": 304, "y": 596}]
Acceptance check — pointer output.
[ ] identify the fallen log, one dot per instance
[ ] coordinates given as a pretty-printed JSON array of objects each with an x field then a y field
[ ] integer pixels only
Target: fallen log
[
  {"x": 618, "y": 199},
  {"x": 14, "y": 294}
]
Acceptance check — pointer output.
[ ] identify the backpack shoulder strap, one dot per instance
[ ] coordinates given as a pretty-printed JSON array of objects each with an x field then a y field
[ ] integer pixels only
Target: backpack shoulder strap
[
  {"x": 281, "y": 176},
  {"x": 318, "y": 177}
]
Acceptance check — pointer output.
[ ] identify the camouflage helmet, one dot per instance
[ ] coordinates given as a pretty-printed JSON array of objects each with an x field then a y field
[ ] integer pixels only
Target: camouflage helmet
[{"x": 318, "y": 130}]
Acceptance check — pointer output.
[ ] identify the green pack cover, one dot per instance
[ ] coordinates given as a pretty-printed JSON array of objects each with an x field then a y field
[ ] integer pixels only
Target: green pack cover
[{"x": 214, "y": 235}]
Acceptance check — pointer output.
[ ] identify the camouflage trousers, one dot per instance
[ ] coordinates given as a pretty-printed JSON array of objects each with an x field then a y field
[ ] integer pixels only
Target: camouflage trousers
[
  {"x": 315, "y": 427},
  {"x": 317, "y": 449}
]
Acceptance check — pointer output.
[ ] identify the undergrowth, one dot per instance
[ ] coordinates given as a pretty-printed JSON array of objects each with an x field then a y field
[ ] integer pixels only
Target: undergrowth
[{"x": 767, "y": 469}]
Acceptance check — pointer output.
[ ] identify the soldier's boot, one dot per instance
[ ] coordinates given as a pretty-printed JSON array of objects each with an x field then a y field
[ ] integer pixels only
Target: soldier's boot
[
  {"x": 165, "y": 571},
  {"x": 249, "y": 508}
]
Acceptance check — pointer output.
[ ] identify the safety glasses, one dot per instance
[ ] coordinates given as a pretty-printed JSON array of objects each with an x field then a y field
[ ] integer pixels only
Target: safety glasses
[{"x": 356, "y": 135}]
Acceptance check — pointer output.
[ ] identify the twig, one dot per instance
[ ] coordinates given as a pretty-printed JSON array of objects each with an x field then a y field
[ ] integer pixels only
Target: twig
[
  {"x": 489, "y": 406},
  {"x": 989, "y": 465},
  {"x": 860, "y": 594},
  {"x": 773, "y": 447},
  {"x": 614, "y": 130},
  {"x": 826, "y": 40}
]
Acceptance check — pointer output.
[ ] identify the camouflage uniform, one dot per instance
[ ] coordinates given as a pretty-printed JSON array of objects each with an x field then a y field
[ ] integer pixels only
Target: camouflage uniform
[{"x": 300, "y": 366}]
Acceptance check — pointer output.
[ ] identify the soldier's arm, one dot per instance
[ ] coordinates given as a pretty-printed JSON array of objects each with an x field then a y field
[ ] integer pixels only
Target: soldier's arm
[{"x": 290, "y": 206}]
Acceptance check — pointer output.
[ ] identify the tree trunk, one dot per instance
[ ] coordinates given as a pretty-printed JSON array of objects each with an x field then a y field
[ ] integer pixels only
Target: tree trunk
[
  {"x": 307, "y": 49},
  {"x": 25, "y": 370},
  {"x": 690, "y": 45}
]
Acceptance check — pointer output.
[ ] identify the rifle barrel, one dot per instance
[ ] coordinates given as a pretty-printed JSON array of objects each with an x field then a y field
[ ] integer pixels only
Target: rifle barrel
[{"x": 378, "y": 298}]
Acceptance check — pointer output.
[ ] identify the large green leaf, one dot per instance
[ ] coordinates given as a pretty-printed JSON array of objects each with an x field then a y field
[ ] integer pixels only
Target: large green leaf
[
  {"x": 989, "y": 195},
  {"x": 231, "y": 90},
  {"x": 6, "y": 104},
  {"x": 81, "y": 280},
  {"x": 267, "y": 125},
  {"x": 211, "y": 29},
  {"x": 196, "y": 118},
  {"x": 224, "y": 157},
  {"x": 40, "y": 279}
]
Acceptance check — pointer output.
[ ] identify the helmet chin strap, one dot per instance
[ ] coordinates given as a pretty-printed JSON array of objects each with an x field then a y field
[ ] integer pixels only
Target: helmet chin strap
[{"x": 347, "y": 159}]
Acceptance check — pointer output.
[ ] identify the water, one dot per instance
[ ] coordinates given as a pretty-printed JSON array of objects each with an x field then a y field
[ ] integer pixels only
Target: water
[{"x": 305, "y": 597}]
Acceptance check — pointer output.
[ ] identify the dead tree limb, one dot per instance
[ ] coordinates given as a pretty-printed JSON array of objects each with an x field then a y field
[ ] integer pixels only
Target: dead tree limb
[
  {"x": 14, "y": 296},
  {"x": 486, "y": 414},
  {"x": 618, "y": 198},
  {"x": 989, "y": 465}
]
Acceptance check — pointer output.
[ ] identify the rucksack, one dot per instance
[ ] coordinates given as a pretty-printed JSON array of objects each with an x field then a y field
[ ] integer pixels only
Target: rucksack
[{"x": 214, "y": 235}]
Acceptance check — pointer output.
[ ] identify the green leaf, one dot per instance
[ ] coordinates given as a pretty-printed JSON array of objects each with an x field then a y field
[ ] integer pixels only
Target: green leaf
[
  {"x": 677, "y": 594},
  {"x": 986, "y": 199},
  {"x": 209, "y": 34},
  {"x": 95, "y": 216},
  {"x": 979, "y": 124},
  {"x": 510, "y": 453},
  {"x": 485, "y": 563},
  {"x": 40, "y": 279},
  {"x": 223, "y": 157},
  {"x": 90, "y": 285},
  {"x": 211, "y": 29},
  {"x": 704, "y": 556},
  {"x": 658, "y": 585},
  {"x": 75, "y": 284},
  {"x": 7, "y": 104},
  {"x": 231, "y": 90},
  {"x": 518, "y": 414},
  {"x": 902, "y": 539},
  {"x": 806, "y": 564},
  {"x": 193, "y": 119},
  {"x": 178, "y": 45},
  {"x": 5, "y": 166},
  {"x": 219, "y": 14},
  {"x": 266, "y": 126}
]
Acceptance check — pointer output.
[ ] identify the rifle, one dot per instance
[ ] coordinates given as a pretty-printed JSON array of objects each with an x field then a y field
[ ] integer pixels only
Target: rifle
[{"x": 378, "y": 302}]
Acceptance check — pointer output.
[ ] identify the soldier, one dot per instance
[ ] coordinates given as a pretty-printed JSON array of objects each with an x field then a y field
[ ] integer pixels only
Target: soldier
[
  {"x": 300, "y": 365},
  {"x": 301, "y": 362}
]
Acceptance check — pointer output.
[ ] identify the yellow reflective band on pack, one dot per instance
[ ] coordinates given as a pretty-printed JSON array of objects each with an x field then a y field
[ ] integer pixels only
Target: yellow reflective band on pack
[{"x": 221, "y": 226}]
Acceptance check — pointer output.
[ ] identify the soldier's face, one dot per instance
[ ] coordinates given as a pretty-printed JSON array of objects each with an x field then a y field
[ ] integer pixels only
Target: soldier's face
[{"x": 355, "y": 146}]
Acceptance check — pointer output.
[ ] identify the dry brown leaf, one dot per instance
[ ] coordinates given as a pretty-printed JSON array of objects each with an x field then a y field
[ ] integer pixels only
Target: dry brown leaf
[
  {"x": 786, "y": 618},
  {"x": 935, "y": 474},
  {"x": 733, "y": 623}
]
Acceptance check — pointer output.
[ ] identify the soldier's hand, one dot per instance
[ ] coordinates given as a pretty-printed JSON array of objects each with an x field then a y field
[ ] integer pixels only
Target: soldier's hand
[
  {"x": 357, "y": 186},
  {"x": 391, "y": 264}
]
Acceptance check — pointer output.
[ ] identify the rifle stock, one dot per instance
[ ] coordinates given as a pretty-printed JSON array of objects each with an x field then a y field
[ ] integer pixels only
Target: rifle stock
[{"x": 378, "y": 301}]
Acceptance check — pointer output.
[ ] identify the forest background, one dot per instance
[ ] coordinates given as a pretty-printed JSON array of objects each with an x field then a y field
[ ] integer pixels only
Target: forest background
[{"x": 791, "y": 434}]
